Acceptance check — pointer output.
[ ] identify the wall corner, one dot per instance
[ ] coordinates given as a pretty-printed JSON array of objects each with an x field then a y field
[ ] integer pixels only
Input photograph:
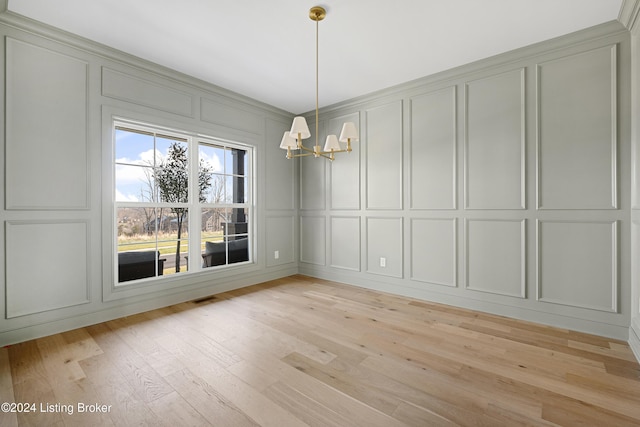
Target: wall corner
[
  {"x": 634, "y": 338},
  {"x": 629, "y": 15}
]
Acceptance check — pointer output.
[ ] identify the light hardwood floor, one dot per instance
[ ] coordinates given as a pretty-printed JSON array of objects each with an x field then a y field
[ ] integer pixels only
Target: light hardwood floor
[{"x": 300, "y": 351}]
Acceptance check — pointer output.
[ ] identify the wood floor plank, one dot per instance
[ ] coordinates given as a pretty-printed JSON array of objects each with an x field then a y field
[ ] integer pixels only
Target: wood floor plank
[
  {"x": 414, "y": 415},
  {"x": 112, "y": 388},
  {"x": 8, "y": 419},
  {"x": 208, "y": 401},
  {"x": 300, "y": 351},
  {"x": 216, "y": 379},
  {"x": 146, "y": 382},
  {"x": 173, "y": 410}
]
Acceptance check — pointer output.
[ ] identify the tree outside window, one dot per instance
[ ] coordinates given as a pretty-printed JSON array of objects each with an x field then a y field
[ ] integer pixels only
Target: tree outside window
[{"x": 154, "y": 210}]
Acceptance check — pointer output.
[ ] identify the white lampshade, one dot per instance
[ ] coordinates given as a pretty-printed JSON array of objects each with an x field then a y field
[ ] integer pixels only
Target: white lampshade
[
  {"x": 349, "y": 131},
  {"x": 288, "y": 142},
  {"x": 331, "y": 143},
  {"x": 299, "y": 126}
]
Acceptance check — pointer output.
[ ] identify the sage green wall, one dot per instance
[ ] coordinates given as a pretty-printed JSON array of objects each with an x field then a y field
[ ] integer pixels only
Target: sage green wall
[
  {"x": 630, "y": 15},
  {"x": 62, "y": 93},
  {"x": 502, "y": 186}
]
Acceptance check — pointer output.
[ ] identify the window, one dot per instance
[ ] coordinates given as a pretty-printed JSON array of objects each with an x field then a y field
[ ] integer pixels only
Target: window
[{"x": 182, "y": 202}]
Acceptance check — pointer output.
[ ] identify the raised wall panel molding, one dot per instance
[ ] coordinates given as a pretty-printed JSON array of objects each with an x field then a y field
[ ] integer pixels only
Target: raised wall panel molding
[
  {"x": 313, "y": 232},
  {"x": 576, "y": 128},
  {"x": 223, "y": 112},
  {"x": 280, "y": 237},
  {"x": 385, "y": 246},
  {"x": 635, "y": 268},
  {"x": 313, "y": 175},
  {"x": 345, "y": 242},
  {"x": 281, "y": 174},
  {"x": 577, "y": 263},
  {"x": 125, "y": 87},
  {"x": 434, "y": 254},
  {"x": 495, "y": 256},
  {"x": 433, "y": 156},
  {"x": 47, "y": 266},
  {"x": 345, "y": 170},
  {"x": 46, "y": 147},
  {"x": 494, "y": 143},
  {"x": 384, "y": 156}
]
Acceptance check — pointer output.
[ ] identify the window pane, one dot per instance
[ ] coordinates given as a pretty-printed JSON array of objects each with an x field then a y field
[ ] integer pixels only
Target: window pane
[
  {"x": 236, "y": 236},
  {"x": 228, "y": 189},
  {"x": 138, "y": 255},
  {"x": 173, "y": 242},
  {"x": 229, "y": 160},
  {"x": 215, "y": 190},
  {"x": 134, "y": 148},
  {"x": 212, "y": 245},
  {"x": 213, "y": 157},
  {"x": 238, "y": 248},
  {"x": 134, "y": 184},
  {"x": 172, "y": 177},
  {"x": 224, "y": 238},
  {"x": 239, "y": 189},
  {"x": 175, "y": 254},
  {"x": 238, "y": 162}
]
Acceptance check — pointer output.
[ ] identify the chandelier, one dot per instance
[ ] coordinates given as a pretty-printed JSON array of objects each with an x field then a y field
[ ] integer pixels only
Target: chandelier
[{"x": 292, "y": 140}]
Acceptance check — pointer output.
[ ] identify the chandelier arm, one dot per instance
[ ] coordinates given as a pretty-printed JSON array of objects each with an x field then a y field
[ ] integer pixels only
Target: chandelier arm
[
  {"x": 334, "y": 151},
  {"x": 309, "y": 150},
  {"x": 311, "y": 153}
]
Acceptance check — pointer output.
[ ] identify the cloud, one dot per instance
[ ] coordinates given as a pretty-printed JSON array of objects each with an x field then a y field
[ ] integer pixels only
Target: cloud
[
  {"x": 125, "y": 198},
  {"x": 213, "y": 160}
]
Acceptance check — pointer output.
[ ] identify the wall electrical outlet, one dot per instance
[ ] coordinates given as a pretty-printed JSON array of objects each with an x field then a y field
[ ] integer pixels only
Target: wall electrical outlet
[
  {"x": 383, "y": 262},
  {"x": 276, "y": 254}
]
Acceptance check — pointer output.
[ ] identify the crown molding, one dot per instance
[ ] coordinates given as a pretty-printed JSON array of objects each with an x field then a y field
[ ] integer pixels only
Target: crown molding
[{"x": 629, "y": 14}]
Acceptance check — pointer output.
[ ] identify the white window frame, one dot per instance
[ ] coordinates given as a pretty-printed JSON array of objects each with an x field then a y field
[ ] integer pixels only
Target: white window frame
[{"x": 194, "y": 140}]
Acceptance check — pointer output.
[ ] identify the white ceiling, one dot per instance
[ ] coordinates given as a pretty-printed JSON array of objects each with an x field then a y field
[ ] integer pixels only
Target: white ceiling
[{"x": 266, "y": 49}]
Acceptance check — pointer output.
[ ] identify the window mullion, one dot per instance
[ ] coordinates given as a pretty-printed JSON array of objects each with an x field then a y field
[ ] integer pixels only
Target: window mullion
[{"x": 195, "y": 216}]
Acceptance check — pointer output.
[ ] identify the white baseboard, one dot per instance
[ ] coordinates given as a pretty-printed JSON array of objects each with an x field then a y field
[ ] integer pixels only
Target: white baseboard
[{"x": 34, "y": 331}]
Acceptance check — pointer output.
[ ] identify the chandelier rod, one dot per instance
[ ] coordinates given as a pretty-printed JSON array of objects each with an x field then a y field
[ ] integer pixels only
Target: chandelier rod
[{"x": 317, "y": 84}]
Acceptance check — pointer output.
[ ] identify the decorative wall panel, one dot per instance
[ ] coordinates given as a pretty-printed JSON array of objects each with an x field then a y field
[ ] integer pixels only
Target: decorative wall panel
[
  {"x": 495, "y": 142},
  {"x": 345, "y": 170},
  {"x": 312, "y": 183},
  {"x": 578, "y": 263},
  {"x": 125, "y": 87},
  {"x": 496, "y": 256},
  {"x": 220, "y": 111},
  {"x": 384, "y": 246},
  {"x": 313, "y": 240},
  {"x": 280, "y": 232},
  {"x": 47, "y": 266},
  {"x": 434, "y": 251},
  {"x": 577, "y": 120},
  {"x": 384, "y": 156},
  {"x": 46, "y": 129},
  {"x": 281, "y": 178},
  {"x": 345, "y": 243},
  {"x": 433, "y": 150}
]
